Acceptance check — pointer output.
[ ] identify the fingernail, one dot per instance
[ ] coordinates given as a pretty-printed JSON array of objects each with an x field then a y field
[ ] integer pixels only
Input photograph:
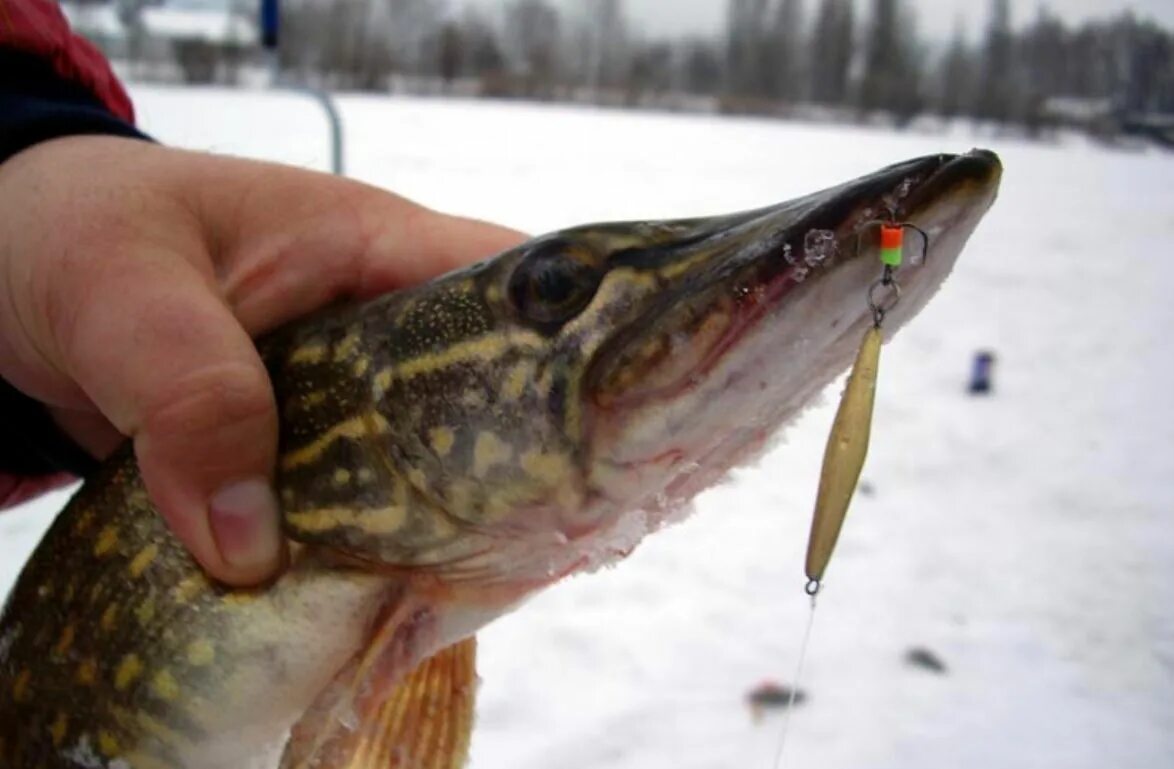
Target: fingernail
[{"x": 243, "y": 517}]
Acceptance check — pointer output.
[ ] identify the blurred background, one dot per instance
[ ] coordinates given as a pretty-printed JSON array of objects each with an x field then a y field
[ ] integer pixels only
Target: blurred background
[
  {"x": 1003, "y": 592},
  {"x": 1101, "y": 67}
]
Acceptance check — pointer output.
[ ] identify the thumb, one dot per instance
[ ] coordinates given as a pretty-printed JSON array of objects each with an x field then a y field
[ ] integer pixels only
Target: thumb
[{"x": 160, "y": 354}]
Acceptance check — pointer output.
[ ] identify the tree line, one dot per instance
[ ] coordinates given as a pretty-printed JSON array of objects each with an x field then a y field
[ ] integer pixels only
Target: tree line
[{"x": 832, "y": 58}]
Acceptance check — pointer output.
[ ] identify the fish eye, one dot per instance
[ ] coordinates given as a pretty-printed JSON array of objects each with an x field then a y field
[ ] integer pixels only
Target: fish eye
[{"x": 553, "y": 283}]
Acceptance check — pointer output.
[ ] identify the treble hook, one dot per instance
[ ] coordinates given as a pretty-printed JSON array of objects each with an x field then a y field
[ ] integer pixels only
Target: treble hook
[
  {"x": 892, "y": 254},
  {"x": 892, "y": 241}
]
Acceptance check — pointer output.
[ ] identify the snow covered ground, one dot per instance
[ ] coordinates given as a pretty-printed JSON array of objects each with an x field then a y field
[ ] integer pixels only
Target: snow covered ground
[{"x": 1024, "y": 538}]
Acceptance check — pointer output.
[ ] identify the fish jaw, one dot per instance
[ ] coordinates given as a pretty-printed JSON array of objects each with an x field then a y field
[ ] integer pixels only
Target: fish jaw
[{"x": 787, "y": 330}]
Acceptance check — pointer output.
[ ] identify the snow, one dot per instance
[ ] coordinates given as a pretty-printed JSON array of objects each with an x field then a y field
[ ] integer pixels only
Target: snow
[{"x": 1022, "y": 537}]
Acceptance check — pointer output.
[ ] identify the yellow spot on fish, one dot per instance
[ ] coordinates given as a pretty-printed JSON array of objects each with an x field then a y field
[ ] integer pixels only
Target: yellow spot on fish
[
  {"x": 189, "y": 588},
  {"x": 573, "y": 406},
  {"x": 84, "y": 520},
  {"x": 677, "y": 267},
  {"x": 493, "y": 293},
  {"x": 60, "y": 728},
  {"x": 549, "y": 468},
  {"x": 309, "y": 353},
  {"x": 505, "y": 501},
  {"x": 347, "y": 346},
  {"x": 143, "y": 560},
  {"x": 474, "y": 399},
  {"x": 361, "y": 366},
  {"x": 160, "y": 732},
  {"x": 365, "y": 475},
  {"x": 66, "y": 640},
  {"x": 164, "y": 685},
  {"x": 544, "y": 383},
  {"x": 442, "y": 439},
  {"x": 417, "y": 478},
  {"x": 107, "y": 540},
  {"x": 239, "y": 598},
  {"x": 87, "y": 672},
  {"x": 488, "y": 451},
  {"x": 128, "y": 672},
  {"x": 383, "y": 380},
  {"x": 20, "y": 687},
  {"x": 108, "y": 744},
  {"x": 201, "y": 652},
  {"x": 569, "y": 496},
  {"x": 145, "y": 612},
  {"x": 400, "y": 491},
  {"x": 109, "y": 618},
  {"x": 481, "y": 349},
  {"x": 383, "y": 520},
  {"x": 460, "y": 496},
  {"x": 314, "y": 398},
  {"x": 355, "y": 428},
  {"x": 342, "y": 476},
  {"x": 516, "y": 380}
]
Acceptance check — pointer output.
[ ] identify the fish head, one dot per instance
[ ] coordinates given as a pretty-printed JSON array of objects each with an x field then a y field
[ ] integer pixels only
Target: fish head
[
  {"x": 703, "y": 337},
  {"x": 541, "y": 412}
]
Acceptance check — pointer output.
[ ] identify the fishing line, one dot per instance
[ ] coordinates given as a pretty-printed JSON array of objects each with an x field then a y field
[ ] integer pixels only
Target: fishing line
[{"x": 778, "y": 762}]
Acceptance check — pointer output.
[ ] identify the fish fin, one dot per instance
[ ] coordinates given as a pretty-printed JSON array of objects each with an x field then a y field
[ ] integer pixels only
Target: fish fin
[
  {"x": 373, "y": 715},
  {"x": 427, "y": 721}
]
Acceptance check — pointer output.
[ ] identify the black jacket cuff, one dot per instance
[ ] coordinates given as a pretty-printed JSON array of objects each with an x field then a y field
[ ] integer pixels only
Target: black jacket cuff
[{"x": 36, "y": 105}]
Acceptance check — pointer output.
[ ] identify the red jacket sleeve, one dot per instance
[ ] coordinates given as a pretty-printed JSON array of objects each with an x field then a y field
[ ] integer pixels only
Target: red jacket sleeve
[{"x": 38, "y": 27}]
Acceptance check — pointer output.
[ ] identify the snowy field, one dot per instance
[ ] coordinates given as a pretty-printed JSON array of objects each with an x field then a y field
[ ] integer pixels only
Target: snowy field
[{"x": 1024, "y": 538}]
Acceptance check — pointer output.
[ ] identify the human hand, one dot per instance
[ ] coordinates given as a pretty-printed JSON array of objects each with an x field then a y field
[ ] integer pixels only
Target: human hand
[{"x": 132, "y": 279}]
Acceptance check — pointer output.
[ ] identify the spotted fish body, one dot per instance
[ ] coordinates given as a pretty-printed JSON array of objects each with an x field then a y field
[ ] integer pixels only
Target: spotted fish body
[{"x": 446, "y": 451}]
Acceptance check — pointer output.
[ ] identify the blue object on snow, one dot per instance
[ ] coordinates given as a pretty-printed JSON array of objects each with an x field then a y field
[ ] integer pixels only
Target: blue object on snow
[
  {"x": 270, "y": 23},
  {"x": 982, "y": 373}
]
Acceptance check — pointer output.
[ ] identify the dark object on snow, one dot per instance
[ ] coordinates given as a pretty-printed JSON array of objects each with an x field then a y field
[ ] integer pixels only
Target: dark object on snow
[
  {"x": 866, "y": 489},
  {"x": 772, "y": 695},
  {"x": 982, "y": 373},
  {"x": 920, "y": 657}
]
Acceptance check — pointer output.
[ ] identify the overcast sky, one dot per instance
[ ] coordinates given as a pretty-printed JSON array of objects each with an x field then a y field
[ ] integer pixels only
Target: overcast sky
[{"x": 936, "y": 17}]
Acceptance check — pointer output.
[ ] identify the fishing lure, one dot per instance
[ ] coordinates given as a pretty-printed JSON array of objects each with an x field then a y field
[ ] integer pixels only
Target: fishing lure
[{"x": 847, "y": 444}]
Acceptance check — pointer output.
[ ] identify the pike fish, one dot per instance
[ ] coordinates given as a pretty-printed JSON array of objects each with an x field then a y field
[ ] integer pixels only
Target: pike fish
[{"x": 445, "y": 452}]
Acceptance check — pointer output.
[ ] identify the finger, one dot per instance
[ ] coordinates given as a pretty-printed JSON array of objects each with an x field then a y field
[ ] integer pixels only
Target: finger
[
  {"x": 306, "y": 239},
  {"x": 162, "y": 357}
]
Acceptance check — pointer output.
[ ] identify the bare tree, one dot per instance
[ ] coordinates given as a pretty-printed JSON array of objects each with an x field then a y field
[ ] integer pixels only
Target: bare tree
[
  {"x": 832, "y": 48},
  {"x": 532, "y": 35},
  {"x": 450, "y": 52},
  {"x": 956, "y": 83},
  {"x": 407, "y": 26},
  {"x": 606, "y": 43},
  {"x": 130, "y": 15},
  {"x": 892, "y": 75},
  {"x": 996, "y": 94},
  {"x": 483, "y": 48},
  {"x": 701, "y": 64},
  {"x": 748, "y": 60},
  {"x": 789, "y": 47},
  {"x": 651, "y": 71}
]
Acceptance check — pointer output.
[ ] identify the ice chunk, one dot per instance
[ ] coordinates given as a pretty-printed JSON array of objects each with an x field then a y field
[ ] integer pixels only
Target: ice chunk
[{"x": 818, "y": 245}]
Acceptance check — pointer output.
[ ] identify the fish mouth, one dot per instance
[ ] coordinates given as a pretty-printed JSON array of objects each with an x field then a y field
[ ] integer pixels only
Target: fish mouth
[{"x": 756, "y": 312}]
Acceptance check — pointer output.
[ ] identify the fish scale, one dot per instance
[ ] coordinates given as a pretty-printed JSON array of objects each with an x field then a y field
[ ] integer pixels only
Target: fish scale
[{"x": 445, "y": 451}]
